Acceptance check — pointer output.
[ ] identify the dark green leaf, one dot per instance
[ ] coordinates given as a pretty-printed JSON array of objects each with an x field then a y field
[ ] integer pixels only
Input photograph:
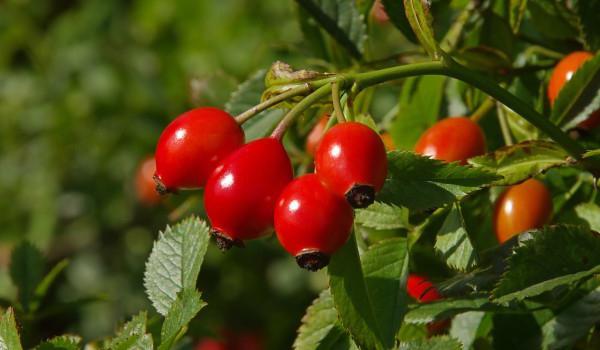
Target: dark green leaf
[
  {"x": 247, "y": 95},
  {"x": 182, "y": 311},
  {"x": 435, "y": 343},
  {"x": 555, "y": 256},
  {"x": 438, "y": 310},
  {"x": 46, "y": 283},
  {"x": 547, "y": 19},
  {"x": 572, "y": 322},
  {"x": 516, "y": 12},
  {"x": 342, "y": 20},
  {"x": 521, "y": 161},
  {"x": 419, "y": 17},
  {"x": 321, "y": 328},
  {"x": 26, "y": 271},
  {"x": 453, "y": 242},
  {"x": 364, "y": 7},
  {"x": 588, "y": 11},
  {"x": 175, "y": 262},
  {"x": 589, "y": 212},
  {"x": 65, "y": 342},
  {"x": 418, "y": 109},
  {"x": 382, "y": 216},
  {"x": 132, "y": 336},
  {"x": 580, "y": 96},
  {"x": 419, "y": 183},
  {"x": 9, "y": 335},
  {"x": 397, "y": 14}
]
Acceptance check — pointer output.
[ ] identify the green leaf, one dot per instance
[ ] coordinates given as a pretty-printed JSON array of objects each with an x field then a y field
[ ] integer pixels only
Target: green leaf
[
  {"x": 370, "y": 299},
  {"x": 247, "y": 95},
  {"x": 572, "y": 322},
  {"x": 64, "y": 342},
  {"x": 516, "y": 12},
  {"x": 453, "y": 242},
  {"x": 419, "y": 183},
  {"x": 26, "y": 271},
  {"x": 342, "y": 20},
  {"x": 46, "y": 283},
  {"x": 321, "y": 328},
  {"x": 547, "y": 18},
  {"x": 364, "y": 7},
  {"x": 367, "y": 120},
  {"x": 397, "y": 14},
  {"x": 183, "y": 310},
  {"x": 438, "y": 310},
  {"x": 521, "y": 161},
  {"x": 9, "y": 336},
  {"x": 589, "y": 212},
  {"x": 382, "y": 216},
  {"x": 434, "y": 343},
  {"x": 588, "y": 11},
  {"x": 580, "y": 96},
  {"x": 175, "y": 262},
  {"x": 132, "y": 336},
  {"x": 555, "y": 256},
  {"x": 469, "y": 326},
  {"x": 418, "y": 109},
  {"x": 419, "y": 17}
]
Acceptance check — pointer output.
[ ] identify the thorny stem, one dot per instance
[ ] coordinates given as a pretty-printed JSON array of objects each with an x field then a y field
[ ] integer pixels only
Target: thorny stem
[
  {"x": 298, "y": 90},
  {"x": 299, "y": 108},
  {"x": 335, "y": 98}
]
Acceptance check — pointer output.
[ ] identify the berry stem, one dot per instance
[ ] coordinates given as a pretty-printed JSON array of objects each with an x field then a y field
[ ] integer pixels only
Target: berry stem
[
  {"x": 298, "y": 109},
  {"x": 247, "y": 115},
  {"x": 335, "y": 97},
  {"x": 482, "y": 110}
]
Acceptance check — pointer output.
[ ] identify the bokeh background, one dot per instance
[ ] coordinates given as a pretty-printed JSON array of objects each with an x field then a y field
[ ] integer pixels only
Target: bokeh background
[{"x": 86, "y": 87}]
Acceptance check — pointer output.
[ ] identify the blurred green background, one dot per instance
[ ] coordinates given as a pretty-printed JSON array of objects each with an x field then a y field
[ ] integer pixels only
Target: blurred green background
[{"x": 85, "y": 89}]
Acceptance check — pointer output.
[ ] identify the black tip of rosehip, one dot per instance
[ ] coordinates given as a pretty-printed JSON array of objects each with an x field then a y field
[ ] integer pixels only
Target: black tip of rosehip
[
  {"x": 312, "y": 260},
  {"x": 360, "y": 196},
  {"x": 160, "y": 186},
  {"x": 225, "y": 242}
]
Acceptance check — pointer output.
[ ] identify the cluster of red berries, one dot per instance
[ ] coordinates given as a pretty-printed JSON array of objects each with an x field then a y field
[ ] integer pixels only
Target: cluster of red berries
[{"x": 249, "y": 188}]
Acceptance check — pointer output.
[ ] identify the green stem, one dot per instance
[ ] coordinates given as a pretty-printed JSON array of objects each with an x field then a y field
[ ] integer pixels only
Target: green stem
[
  {"x": 335, "y": 97},
  {"x": 298, "y": 90},
  {"x": 482, "y": 110},
  {"x": 299, "y": 108},
  {"x": 504, "y": 128}
]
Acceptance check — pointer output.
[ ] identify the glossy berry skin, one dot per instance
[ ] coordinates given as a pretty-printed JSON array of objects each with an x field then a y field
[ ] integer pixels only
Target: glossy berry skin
[
  {"x": 520, "y": 208},
  {"x": 311, "y": 222},
  {"x": 423, "y": 291},
  {"x": 351, "y": 161},
  {"x": 192, "y": 145},
  {"x": 241, "y": 193},
  {"x": 145, "y": 187},
  {"x": 316, "y": 134},
  {"x": 563, "y": 72},
  {"x": 452, "y": 140}
]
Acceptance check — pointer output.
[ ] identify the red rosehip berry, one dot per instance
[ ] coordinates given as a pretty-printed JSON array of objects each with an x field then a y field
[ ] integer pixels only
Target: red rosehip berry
[
  {"x": 210, "y": 344},
  {"x": 564, "y": 71},
  {"x": 241, "y": 193},
  {"x": 145, "y": 188},
  {"x": 316, "y": 134},
  {"x": 452, "y": 140},
  {"x": 311, "y": 222},
  {"x": 423, "y": 291},
  {"x": 351, "y": 161},
  {"x": 192, "y": 145}
]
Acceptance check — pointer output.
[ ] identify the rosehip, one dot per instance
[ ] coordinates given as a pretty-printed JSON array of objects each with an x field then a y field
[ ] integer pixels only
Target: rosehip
[
  {"x": 451, "y": 140},
  {"x": 311, "y": 222},
  {"x": 351, "y": 161},
  {"x": 520, "y": 208},
  {"x": 315, "y": 135},
  {"x": 423, "y": 291},
  {"x": 192, "y": 145},
  {"x": 240, "y": 194},
  {"x": 563, "y": 72},
  {"x": 210, "y": 344},
  {"x": 144, "y": 183}
]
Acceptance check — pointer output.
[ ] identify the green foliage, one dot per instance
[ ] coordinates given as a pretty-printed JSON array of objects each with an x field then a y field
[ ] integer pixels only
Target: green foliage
[
  {"x": 26, "y": 270},
  {"x": 395, "y": 10},
  {"x": 435, "y": 343},
  {"x": 453, "y": 242},
  {"x": 420, "y": 19},
  {"x": 382, "y": 216},
  {"x": 132, "y": 336},
  {"x": 9, "y": 335},
  {"x": 439, "y": 310},
  {"x": 181, "y": 312},
  {"x": 65, "y": 342},
  {"x": 175, "y": 262}
]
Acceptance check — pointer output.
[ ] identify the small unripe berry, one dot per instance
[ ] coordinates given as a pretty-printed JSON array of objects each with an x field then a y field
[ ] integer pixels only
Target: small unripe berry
[{"x": 145, "y": 188}]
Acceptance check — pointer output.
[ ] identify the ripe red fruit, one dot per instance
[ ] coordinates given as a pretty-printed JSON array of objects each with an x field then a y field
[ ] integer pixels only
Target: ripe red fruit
[
  {"x": 316, "y": 134},
  {"x": 423, "y": 291},
  {"x": 451, "y": 140},
  {"x": 192, "y": 145},
  {"x": 563, "y": 72},
  {"x": 351, "y": 161},
  {"x": 210, "y": 344},
  {"x": 311, "y": 222},
  {"x": 145, "y": 187},
  {"x": 240, "y": 194},
  {"x": 520, "y": 208}
]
